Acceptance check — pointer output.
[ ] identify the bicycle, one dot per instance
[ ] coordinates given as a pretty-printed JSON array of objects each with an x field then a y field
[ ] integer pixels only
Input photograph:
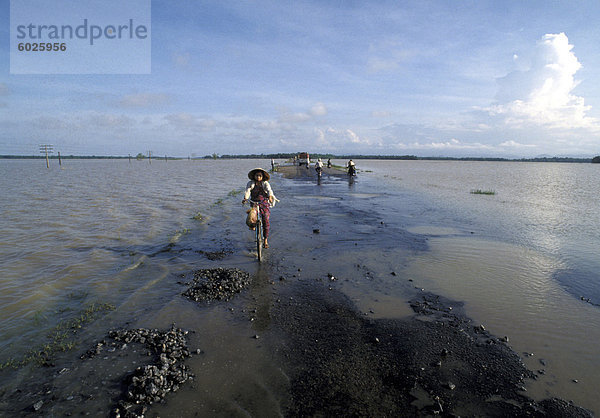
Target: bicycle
[{"x": 258, "y": 229}]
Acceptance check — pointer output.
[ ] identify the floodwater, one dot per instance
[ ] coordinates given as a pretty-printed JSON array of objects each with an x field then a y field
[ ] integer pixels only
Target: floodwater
[
  {"x": 524, "y": 259},
  {"x": 110, "y": 231}
]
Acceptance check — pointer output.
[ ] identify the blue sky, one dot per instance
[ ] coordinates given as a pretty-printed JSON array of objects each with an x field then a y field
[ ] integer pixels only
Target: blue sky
[{"x": 430, "y": 78}]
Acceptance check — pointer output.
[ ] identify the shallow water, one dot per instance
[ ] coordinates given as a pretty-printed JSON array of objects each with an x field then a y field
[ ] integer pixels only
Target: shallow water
[
  {"x": 521, "y": 259},
  {"x": 118, "y": 232},
  {"x": 85, "y": 232}
]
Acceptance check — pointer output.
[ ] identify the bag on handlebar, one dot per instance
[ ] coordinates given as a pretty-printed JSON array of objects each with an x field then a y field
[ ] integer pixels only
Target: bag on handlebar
[{"x": 252, "y": 217}]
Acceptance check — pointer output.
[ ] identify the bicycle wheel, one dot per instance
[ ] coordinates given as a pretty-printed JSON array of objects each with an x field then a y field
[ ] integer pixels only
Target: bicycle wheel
[{"x": 259, "y": 239}]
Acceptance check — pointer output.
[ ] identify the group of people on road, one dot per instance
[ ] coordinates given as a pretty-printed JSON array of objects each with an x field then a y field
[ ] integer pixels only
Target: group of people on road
[
  {"x": 350, "y": 166},
  {"x": 259, "y": 191}
]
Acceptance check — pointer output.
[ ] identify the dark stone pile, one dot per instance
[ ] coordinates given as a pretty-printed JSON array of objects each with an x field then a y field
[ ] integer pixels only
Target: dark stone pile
[
  {"x": 217, "y": 284},
  {"x": 151, "y": 383}
]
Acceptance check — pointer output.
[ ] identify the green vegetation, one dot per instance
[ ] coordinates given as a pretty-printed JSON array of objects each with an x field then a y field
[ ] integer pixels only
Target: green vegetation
[
  {"x": 596, "y": 160},
  {"x": 198, "y": 217},
  {"x": 234, "y": 193},
  {"x": 402, "y": 157},
  {"x": 39, "y": 317},
  {"x": 59, "y": 338},
  {"x": 485, "y": 192},
  {"x": 290, "y": 155}
]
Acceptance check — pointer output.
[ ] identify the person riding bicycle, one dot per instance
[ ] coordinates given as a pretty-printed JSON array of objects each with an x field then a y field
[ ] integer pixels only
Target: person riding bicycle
[
  {"x": 351, "y": 168},
  {"x": 319, "y": 167},
  {"x": 259, "y": 190}
]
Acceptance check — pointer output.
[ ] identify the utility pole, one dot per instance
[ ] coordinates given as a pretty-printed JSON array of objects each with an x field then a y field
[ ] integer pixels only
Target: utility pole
[
  {"x": 46, "y": 149},
  {"x": 150, "y": 157},
  {"x": 59, "y": 160}
]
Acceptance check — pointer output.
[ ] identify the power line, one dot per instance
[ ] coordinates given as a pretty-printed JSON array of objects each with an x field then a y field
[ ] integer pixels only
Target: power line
[{"x": 46, "y": 149}]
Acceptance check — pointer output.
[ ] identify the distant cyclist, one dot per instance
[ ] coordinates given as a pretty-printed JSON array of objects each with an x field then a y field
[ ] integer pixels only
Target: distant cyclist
[
  {"x": 319, "y": 167},
  {"x": 351, "y": 168}
]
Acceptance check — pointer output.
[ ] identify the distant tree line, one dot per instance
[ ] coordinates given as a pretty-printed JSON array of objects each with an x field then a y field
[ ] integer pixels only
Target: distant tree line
[
  {"x": 280, "y": 156},
  {"x": 64, "y": 157},
  {"x": 406, "y": 157},
  {"x": 313, "y": 156}
]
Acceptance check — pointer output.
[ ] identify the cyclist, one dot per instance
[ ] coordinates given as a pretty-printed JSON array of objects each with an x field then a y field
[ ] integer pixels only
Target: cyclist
[
  {"x": 319, "y": 167},
  {"x": 259, "y": 190},
  {"x": 351, "y": 168}
]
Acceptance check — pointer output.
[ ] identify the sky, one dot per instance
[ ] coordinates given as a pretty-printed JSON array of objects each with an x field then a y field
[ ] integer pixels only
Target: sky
[{"x": 428, "y": 78}]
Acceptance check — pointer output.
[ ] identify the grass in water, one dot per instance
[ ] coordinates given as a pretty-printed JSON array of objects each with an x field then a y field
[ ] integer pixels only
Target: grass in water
[
  {"x": 59, "y": 338},
  {"x": 484, "y": 192}
]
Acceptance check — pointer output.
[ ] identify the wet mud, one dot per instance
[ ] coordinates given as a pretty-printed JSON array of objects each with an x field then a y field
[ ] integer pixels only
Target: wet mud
[{"x": 435, "y": 363}]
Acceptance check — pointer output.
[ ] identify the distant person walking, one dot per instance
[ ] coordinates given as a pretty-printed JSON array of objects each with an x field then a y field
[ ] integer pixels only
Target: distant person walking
[
  {"x": 329, "y": 163},
  {"x": 272, "y": 164}
]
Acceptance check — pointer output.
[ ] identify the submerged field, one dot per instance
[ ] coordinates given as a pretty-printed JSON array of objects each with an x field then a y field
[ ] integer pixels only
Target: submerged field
[{"x": 364, "y": 303}]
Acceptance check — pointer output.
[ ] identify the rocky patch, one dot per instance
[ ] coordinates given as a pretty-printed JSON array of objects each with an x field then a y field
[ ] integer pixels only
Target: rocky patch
[
  {"x": 435, "y": 363},
  {"x": 217, "y": 284},
  {"x": 150, "y": 383}
]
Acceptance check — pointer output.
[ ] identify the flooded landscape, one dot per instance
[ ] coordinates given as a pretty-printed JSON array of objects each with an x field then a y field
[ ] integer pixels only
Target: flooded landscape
[{"x": 99, "y": 245}]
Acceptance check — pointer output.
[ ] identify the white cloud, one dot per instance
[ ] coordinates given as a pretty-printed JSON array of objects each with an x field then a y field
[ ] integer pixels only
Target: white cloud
[
  {"x": 334, "y": 138},
  {"x": 451, "y": 145},
  {"x": 542, "y": 95},
  {"x": 514, "y": 144},
  {"x": 318, "y": 109},
  {"x": 353, "y": 137}
]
